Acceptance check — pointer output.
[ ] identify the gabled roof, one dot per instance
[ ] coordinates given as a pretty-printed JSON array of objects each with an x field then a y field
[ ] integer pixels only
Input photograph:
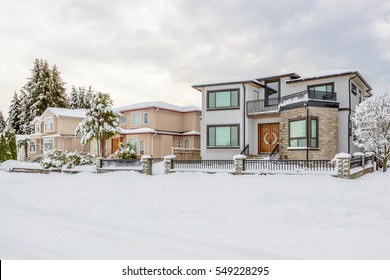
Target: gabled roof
[
  {"x": 329, "y": 74},
  {"x": 147, "y": 130},
  {"x": 63, "y": 112},
  {"x": 157, "y": 105}
]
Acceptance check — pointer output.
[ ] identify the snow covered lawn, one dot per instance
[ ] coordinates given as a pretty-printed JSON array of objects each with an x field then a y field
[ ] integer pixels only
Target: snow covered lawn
[{"x": 127, "y": 215}]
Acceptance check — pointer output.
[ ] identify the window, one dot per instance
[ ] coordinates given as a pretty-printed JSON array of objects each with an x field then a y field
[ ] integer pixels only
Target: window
[
  {"x": 360, "y": 96},
  {"x": 49, "y": 124},
  {"x": 122, "y": 119},
  {"x": 297, "y": 133},
  {"x": 186, "y": 143},
  {"x": 136, "y": 118},
  {"x": 223, "y": 136},
  {"x": 223, "y": 99},
  {"x": 141, "y": 147},
  {"x": 32, "y": 146},
  {"x": 146, "y": 117},
  {"x": 37, "y": 128},
  {"x": 48, "y": 144},
  {"x": 271, "y": 93},
  {"x": 133, "y": 143},
  {"x": 323, "y": 91},
  {"x": 353, "y": 89}
]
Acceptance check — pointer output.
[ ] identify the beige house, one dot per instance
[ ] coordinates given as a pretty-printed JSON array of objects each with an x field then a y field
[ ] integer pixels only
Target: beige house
[
  {"x": 159, "y": 129},
  {"x": 55, "y": 129}
]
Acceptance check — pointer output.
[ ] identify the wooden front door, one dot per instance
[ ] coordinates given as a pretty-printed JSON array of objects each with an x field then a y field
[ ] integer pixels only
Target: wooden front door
[
  {"x": 114, "y": 147},
  {"x": 268, "y": 135}
]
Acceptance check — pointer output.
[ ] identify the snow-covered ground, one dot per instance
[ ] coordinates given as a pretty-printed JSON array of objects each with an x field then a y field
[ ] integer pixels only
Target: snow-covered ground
[{"x": 127, "y": 215}]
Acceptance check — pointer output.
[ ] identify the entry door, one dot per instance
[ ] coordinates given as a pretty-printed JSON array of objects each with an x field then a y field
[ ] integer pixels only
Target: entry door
[
  {"x": 115, "y": 143},
  {"x": 268, "y": 137}
]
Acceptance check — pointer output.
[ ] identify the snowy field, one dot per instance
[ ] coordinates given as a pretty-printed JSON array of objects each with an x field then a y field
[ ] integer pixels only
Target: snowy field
[{"x": 127, "y": 215}]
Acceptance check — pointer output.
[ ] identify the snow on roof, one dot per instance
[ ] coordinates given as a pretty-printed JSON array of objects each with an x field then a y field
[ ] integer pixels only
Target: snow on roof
[
  {"x": 136, "y": 130},
  {"x": 73, "y": 113},
  {"x": 236, "y": 80},
  {"x": 323, "y": 74},
  {"x": 192, "y": 132},
  {"x": 157, "y": 104}
]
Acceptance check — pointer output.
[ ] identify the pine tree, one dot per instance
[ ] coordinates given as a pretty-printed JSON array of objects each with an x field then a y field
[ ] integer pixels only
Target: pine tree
[
  {"x": 14, "y": 114},
  {"x": 100, "y": 123},
  {"x": 10, "y": 143},
  {"x": 2, "y": 122},
  {"x": 88, "y": 98},
  {"x": 73, "y": 99},
  {"x": 81, "y": 98},
  {"x": 58, "y": 92},
  {"x": 3, "y": 148},
  {"x": 25, "y": 114}
]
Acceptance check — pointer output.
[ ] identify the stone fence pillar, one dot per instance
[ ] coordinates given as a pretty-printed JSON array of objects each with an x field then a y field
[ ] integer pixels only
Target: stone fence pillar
[
  {"x": 168, "y": 163},
  {"x": 343, "y": 165},
  {"x": 147, "y": 164},
  {"x": 239, "y": 164},
  {"x": 98, "y": 163}
]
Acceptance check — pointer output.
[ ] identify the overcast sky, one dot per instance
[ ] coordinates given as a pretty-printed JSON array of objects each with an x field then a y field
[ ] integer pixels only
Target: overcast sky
[{"x": 154, "y": 50}]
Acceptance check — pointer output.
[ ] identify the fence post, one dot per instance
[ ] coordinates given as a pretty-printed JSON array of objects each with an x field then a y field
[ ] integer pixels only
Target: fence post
[
  {"x": 98, "y": 163},
  {"x": 239, "y": 164},
  {"x": 168, "y": 163},
  {"x": 343, "y": 165},
  {"x": 147, "y": 164}
]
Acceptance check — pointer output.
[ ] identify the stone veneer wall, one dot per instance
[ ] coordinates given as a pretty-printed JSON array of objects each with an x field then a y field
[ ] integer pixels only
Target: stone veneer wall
[{"x": 327, "y": 133}]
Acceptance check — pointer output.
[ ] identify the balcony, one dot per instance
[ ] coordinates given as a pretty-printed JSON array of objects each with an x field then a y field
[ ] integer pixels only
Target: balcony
[{"x": 257, "y": 107}]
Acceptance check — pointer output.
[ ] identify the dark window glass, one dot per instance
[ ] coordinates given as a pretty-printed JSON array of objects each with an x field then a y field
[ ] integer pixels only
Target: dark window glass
[
  {"x": 223, "y": 136},
  {"x": 222, "y": 99}
]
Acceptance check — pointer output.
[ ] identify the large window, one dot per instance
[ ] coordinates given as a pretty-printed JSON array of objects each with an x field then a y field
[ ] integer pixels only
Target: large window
[
  {"x": 48, "y": 144},
  {"x": 323, "y": 91},
  {"x": 49, "y": 124},
  {"x": 133, "y": 143},
  {"x": 298, "y": 133},
  {"x": 223, "y": 136},
  {"x": 223, "y": 99},
  {"x": 136, "y": 118},
  {"x": 271, "y": 92}
]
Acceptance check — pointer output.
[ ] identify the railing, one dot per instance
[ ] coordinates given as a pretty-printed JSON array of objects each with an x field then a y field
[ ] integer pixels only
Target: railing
[
  {"x": 274, "y": 152},
  {"x": 204, "y": 164},
  {"x": 245, "y": 151},
  {"x": 114, "y": 163},
  {"x": 186, "y": 153},
  {"x": 290, "y": 165},
  {"x": 356, "y": 162},
  {"x": 261, "y": 106}
]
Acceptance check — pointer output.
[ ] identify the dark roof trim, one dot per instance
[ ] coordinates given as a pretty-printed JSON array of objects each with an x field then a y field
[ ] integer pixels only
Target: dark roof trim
[
  {"x": 253, "y": 82},
  {"x": 291, "y": 75}
]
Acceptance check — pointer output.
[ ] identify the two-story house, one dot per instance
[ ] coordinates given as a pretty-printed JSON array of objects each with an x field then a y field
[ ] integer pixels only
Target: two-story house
[
  {"x": 156, "y": 128},
  {"x": 301, "y": 116},
  {"x": 55, "y": 129}
]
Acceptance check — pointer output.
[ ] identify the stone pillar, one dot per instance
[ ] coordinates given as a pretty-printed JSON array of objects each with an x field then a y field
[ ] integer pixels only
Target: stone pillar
[
  {"x": 361, "y": 156},
  {"x": 98, "y": 163},
  {"x": 239, "y": 164},
  {"x": 343, "y": 165},
  {"x": 147, "y": 164},
  {"x": 168, "y": 163}
]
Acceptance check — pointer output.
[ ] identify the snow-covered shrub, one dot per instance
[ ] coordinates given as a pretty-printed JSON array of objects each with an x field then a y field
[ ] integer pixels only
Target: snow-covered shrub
[
  {"x": 58, "y": 158},
  {"x": 126, "y": 151},
  {"x": 55, "y": 158}
]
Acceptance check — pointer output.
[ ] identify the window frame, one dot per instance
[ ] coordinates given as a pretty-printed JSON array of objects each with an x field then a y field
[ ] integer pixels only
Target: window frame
[
  {"x": 308, "y": 129},
  {"x": 186, "y": 141},
  {"x": 39, "y": 128},
  {"x": 132, "y": 118},
  {"x": 222, "y": 147},
  {"x": 266, "y": 95},
  {"x": 32, "y": 142},
  {"x": 45, "y": 140},
  {"x": 52, "y": 124},
  {"x": 121, "y": 118},
  {"x": 322, "y": 84},
  {"x": 208, "y": 108},
  {"x": 354, "y": 88},
  {"x": 143, "y": 117},
  {"x": 141, "y": 147},
  {"x": 135, "y": 143}
]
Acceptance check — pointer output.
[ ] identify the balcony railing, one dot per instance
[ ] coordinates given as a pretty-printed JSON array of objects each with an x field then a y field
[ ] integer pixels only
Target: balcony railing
[{"x": 266, "y": 106}]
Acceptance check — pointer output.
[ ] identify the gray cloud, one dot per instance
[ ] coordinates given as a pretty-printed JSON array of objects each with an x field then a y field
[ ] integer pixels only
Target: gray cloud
[{"x": 154, "y": 50}]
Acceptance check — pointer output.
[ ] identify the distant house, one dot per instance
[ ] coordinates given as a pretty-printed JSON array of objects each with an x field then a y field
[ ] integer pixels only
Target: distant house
[
  {"x": 55, "y": 129},
  {"x": 159, "y": 129},
  {"x": 299, "y": 116}
]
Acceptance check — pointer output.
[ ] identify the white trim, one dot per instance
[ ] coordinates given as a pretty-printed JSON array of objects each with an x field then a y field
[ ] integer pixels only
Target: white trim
[
  {"x": 35, "y": 147},
  {"x": 139, "y": 142},
  {"x": 52, "y": 124},
  {"x": 132, "y": 118},
  {"x": 189, "y": 143},
  {"x": 47, "y": 140},
  {"x": 143, "y": 117}
]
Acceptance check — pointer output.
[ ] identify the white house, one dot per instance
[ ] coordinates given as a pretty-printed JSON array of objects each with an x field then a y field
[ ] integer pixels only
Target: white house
[{"x": 300, "y": 116}]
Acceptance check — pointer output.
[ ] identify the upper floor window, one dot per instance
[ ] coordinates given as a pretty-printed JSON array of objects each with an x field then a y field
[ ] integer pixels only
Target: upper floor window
[
  {"x": 223, "y": 99},
  {"x": 122, "y": 119},
  {"x": 186, "y": 143},
  {"x": 271, "y": 92},
  {"x": 353, "y": 89},
  {"x": 136, "y": 118},
  {"x": 223, "y": 136},
  {"x": 37, "y": 128},
  {"x": 146, "y": 117},
  {"x": 298, "y": 133},
  {"x": 32, "y": 146},
  {"x": 322, "y": 91},
  {"x": 49, "y": 124}
]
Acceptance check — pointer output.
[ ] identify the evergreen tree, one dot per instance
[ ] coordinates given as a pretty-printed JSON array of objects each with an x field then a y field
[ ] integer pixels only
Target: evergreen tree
[
  {"x": 10, "y": 143},
  {"x": 100, "y": 123},
  {"x": 88, "y": 98},
  {"x": 3, "y": 148},
  {"x": 58, "y": 92},
  {"x": 25, "y": 114},
  {"x": 74, "y": 99},
  {"x": 14, "y": 114},
  {"x": 2, "y": 122},
  {"x": 81, "y": 98}
]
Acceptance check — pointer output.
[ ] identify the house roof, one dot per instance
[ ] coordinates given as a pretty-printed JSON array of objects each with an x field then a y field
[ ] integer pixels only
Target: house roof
[
  {"x": 147, "y": 130},
  {"x": 329, "y": 74},
  {"x": 157, "y": 105},
  {"x": 62, "y": 112},
  {"x": 228, "y": 81}
]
